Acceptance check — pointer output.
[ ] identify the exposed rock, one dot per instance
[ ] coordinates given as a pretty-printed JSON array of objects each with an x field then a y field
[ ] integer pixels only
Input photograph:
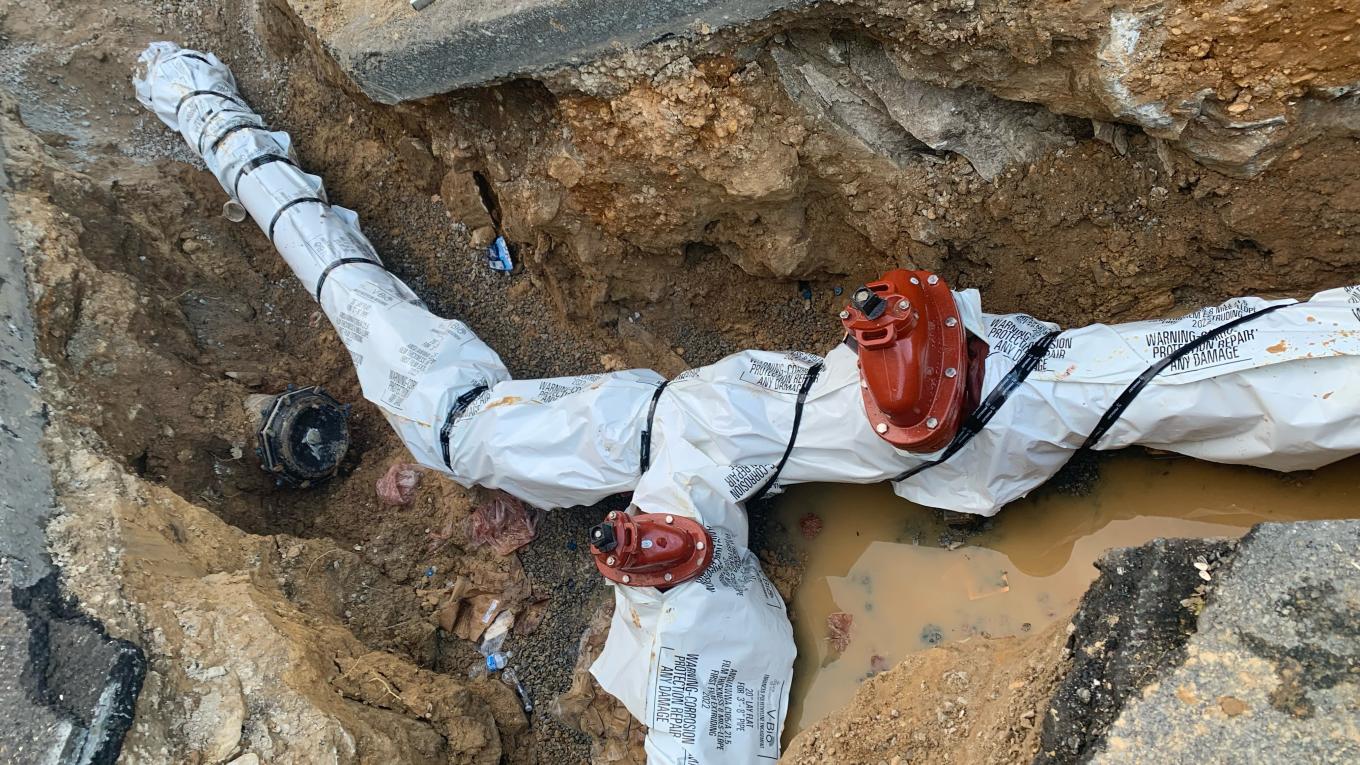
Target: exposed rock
[
  {"x": 236, "y": 666},
  {"x": 853, "y": 82},
  {"x": 1274, "y": 667},
  {"x": 1134, "y": 620},
  {"x": 463, "y": 199}
]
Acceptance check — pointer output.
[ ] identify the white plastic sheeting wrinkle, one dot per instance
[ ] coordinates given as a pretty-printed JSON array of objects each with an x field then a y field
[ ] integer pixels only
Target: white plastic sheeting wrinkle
[{"x": 706, "y": 665}]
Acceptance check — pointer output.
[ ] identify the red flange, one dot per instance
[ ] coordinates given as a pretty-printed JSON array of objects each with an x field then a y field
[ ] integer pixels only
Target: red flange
[
  {"x": 650, "y": 549},
  {"x": 913, "y": 358}
]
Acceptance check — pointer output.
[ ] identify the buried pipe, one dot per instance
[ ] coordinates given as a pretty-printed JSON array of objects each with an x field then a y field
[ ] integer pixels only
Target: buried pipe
[{"x": 962, "y": 410}]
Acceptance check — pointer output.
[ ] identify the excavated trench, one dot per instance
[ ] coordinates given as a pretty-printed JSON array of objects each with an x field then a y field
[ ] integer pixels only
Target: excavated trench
[{"x": 666, "y": 207}]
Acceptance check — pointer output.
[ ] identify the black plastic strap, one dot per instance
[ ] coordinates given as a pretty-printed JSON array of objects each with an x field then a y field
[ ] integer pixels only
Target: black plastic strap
[
  {"x": 808, "y": 380},
  {"x": 992, "y": 403},
  {"x": 211, "y": 117},
  {"x": 197, "y": 57},
  {"x": 292, "y": 202},
  {"x": 238, "y": 126},
  {"x": 250, "y": 166},
  {"x": 645, "y": 461},
  {"x": 1116, "y": 409},
  {"x": 321, "y": 281},
  {"x": 196, "y": 93},
  {"x": 460, "y": 405}
]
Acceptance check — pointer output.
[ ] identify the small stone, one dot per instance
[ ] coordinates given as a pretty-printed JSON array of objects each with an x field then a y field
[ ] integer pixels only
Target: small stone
[
  {"x": 482, "y": 236},
  {"x": 566, "y": 170},
  {"x": 1231, "y": 705}
]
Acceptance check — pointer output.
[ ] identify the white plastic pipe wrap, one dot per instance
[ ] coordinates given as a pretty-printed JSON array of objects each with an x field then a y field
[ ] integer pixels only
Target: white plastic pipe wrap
[
  {"x": 409, "y": 361},
  {"x": 707, "y": 664}
]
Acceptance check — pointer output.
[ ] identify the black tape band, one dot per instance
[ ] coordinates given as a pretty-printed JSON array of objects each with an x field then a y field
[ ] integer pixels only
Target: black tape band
[
  {"x": 460, "y": 405},
  {"x": 210, "y": 118},
  {"x": 992, "y": 403},
  {"x": 238, "y": 126},
  {"x": 247, "y": 168},
  {"x": 291, "y": 203},
  {"x": 197, "y": 57},
  {"x": 196, "y": 93},
  {"x": 808, "y": 380},
  {"x": 645, "y": 460},
  {"x": 1116, "y": 409},
  {"x": 321, "y": 281}
]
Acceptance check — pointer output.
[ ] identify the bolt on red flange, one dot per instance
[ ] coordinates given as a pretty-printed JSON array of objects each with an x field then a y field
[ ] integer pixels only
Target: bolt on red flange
[
  {"x": 913, "y": 358},
  {"x": 650, "y": 549}
]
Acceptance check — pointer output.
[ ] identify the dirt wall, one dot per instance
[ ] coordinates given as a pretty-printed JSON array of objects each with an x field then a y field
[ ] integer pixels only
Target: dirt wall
[{"x": 1079, "y": 161}]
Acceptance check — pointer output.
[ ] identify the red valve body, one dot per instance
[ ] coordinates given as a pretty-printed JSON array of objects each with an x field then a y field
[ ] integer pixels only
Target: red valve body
[
  {"x": 913, "y": 357},
  {"x": 650, "y": 549}
]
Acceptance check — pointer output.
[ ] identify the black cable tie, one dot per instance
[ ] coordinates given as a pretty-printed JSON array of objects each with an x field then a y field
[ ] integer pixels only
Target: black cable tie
[
  {"x": 292, "y": 202},
  {"x": 336, "y": 264},
  {"x": 1126, "y": 398},
  {"x": 645, "y": 451},
  {"x": 459, "y": 406},
  {"x": 225, "y": 133},
  {"x": 808, "y": 380},
  {"x": 247, "y": 168},
  {"x": 196, "y": 93},
  {"x": 990, "y": 405}
]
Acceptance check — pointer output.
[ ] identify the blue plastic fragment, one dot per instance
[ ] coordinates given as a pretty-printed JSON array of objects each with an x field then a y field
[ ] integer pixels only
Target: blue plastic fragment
[
  {"x": 571, "y": 545},
  {"x": 429, "y": 572},
  {"x": 498, "y": 255},
  {"x": 837, "y": 291}
]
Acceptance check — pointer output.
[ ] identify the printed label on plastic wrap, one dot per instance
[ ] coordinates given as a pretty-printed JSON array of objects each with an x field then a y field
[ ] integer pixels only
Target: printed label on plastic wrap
[
  {"x": 1116, "y": 354},
  {"x": 743, "y": 479},
  {"x": 1235, "y": 349},
  {"x": 554, "y": 389},
  {"x": 333, "y": 243},
  {"x": 377, "y": 294},
  {"x": 783, "y": 373},
  {"x": 735, "y": 568},
  {"x": 1226, "y": 349},
  {"x": 706, "y": 701},
  {"x": 399, "y": 386},
  {"x": 352, "y": 323},
  {"x": 1012, "y": 335}
]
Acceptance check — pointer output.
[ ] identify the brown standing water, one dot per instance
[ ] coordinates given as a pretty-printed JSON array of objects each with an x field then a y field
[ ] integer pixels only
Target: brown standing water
[{"x": 879, "y": 557}]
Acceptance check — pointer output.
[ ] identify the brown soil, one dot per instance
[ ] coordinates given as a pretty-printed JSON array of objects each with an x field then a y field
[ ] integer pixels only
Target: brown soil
[
  {"x": 663, "y": 206},
  {"x": 978, "y": 701}
]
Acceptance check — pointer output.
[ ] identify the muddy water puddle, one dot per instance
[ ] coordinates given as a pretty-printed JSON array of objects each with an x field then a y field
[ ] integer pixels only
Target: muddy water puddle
[{"x": 879, "y": 558}]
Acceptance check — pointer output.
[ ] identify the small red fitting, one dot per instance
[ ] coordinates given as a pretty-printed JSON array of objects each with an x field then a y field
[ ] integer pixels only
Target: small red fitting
[
  {"x": 913, "y": 358},
  {"x": 650, "y": 549}
]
